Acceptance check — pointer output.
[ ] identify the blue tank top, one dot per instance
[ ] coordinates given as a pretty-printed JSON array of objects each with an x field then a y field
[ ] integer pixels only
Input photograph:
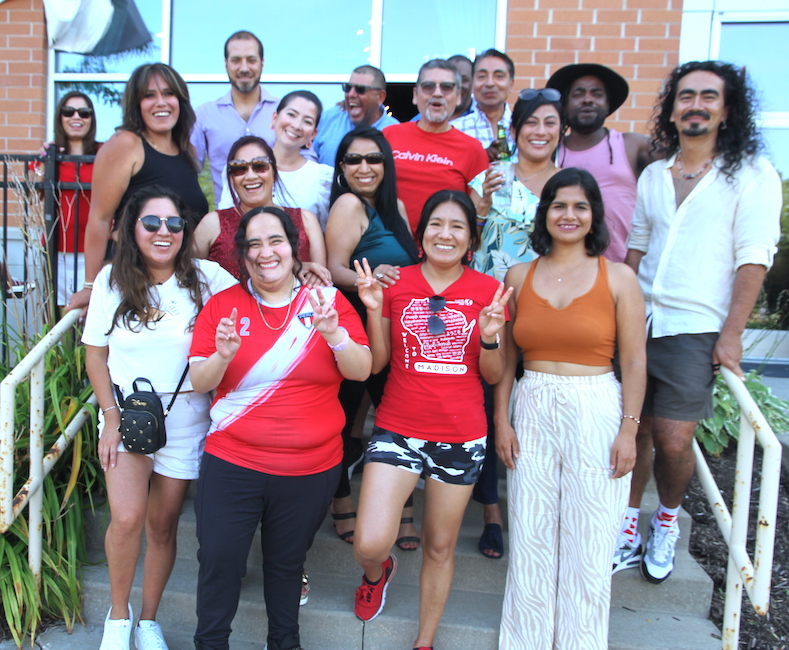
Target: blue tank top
[{"x": 379, "y": 245}]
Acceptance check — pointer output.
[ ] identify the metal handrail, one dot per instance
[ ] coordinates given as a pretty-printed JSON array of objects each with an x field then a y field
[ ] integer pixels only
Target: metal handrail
[
  {"x": 40, "y": 464},
  {"x": 741, "y": 572}
]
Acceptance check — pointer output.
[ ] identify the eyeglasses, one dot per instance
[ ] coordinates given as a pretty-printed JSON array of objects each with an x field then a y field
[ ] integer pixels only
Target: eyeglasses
[
  {"x": 374, "y": 158},
  {"x": 435, "y": 325},
  {"x": 429, "y": 87},
  {"x": 359, "y": 88},
  {"x": 68, "y": 111},
  {"x": 260, "y": 165},
  {"x": 152, "y": 223},
  {"x": 551, "y": 94}
]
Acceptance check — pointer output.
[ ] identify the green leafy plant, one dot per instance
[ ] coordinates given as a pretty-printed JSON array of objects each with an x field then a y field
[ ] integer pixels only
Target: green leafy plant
[
  {"x": 715, "y": 433},
  {"x": 75, "y": 477}
]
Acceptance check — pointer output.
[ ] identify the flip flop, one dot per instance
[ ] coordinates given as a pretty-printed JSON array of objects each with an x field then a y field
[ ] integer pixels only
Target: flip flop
[
  {"x": 347, "y": 535},
  {"x": 407, "y": 539},
  {"x": 492, "y": 540}
]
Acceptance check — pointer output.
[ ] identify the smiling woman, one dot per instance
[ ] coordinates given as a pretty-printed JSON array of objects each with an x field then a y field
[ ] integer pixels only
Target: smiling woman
[{"x": 151, "y": 147}]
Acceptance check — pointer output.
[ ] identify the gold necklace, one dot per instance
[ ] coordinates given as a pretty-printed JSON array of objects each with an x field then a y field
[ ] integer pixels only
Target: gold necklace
[
  {"x": 287, "y": 316},
  {"x": 526, "y": 179},
  {"x": 566, "y": 275}
]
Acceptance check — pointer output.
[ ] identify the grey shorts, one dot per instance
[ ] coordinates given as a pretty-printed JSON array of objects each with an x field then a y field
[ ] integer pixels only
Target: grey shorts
[
  {"x": 680, "y": 376},
  {"x": 457, "y": 463}
]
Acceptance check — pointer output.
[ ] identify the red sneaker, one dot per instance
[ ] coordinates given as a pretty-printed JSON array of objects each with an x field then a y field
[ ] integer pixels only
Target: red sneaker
[{"x": 370, "y": 599}]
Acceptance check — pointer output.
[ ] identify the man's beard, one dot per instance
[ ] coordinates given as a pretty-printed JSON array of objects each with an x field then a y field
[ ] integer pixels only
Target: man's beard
[
  {"x": 245, "y": 85},
  {"x": 587, "y": 124}
]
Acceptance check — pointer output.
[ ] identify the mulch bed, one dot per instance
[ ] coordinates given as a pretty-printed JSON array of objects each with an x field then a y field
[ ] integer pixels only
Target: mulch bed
[{"x": 770, "y": 632}]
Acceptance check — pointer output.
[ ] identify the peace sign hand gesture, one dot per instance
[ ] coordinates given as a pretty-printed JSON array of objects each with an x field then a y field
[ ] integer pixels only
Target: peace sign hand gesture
[
  {"x": 371, "y": 292},
  {"x": 491, "y": 318}
]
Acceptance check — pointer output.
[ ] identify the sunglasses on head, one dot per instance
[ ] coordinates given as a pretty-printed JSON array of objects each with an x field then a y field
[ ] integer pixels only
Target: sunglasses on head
[
  {"x": 551, "y": 94},
  {"x": 259, "y": 165},
  {"x": 429, "y": 87},
  {"x": 359, "y": 88},
  {"x": 374, "y": 158},
  {"x": 152, "y": 223},
  {"x": 68, "y": 111},
  {"x": 435, "y": 325}
]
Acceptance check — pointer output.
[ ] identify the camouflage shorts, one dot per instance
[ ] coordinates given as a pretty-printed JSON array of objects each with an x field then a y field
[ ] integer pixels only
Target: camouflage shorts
[{"x": 458, "y": 463}]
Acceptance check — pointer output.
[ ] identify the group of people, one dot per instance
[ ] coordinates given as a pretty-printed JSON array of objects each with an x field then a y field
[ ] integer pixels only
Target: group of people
[{"x": 520, "y": 288}]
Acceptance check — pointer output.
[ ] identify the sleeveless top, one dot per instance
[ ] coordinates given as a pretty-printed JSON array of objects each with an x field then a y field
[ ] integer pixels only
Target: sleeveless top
[
  {"x": 379, "y": 245},
  {"x": 584, "y": 332},
  {"x": 617, "y": 182},
  {"x": 173, "y": 172},
  {"x": 223, "y": 250}
]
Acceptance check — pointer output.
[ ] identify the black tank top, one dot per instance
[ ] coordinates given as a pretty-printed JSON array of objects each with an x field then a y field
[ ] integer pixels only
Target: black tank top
[{"x": 173, "y": 172}]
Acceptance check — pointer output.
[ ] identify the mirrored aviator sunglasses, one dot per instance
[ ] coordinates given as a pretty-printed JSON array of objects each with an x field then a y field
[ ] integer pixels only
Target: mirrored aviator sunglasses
[
  {"x": 550, "y": 94},
  {"x": 374, "y": 158},
  {"x": 152, "y": 223},
  {"x": 435, "y": 325},
  {"x": 239, "y": 167}
]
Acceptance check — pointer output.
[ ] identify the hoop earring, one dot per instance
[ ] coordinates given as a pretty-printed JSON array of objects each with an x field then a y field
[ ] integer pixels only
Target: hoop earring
[
  {"x": 723, "y": 126},
  {"x": 342, "y": 182}
]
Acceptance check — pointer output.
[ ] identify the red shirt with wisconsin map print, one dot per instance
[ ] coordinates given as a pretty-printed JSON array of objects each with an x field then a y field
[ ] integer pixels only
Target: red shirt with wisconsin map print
[
  {"x": 428, "y": 162},
  {"x": 276, "y": 409},
  {"x": 434, "y": 389}
]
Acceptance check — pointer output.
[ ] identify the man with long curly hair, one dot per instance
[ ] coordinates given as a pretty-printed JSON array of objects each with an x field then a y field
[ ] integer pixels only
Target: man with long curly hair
[{"x": 705, "y": 230}]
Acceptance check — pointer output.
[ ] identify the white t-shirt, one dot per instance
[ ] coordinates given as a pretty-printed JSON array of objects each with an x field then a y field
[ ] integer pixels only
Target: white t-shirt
[{"x": 157, "y": 352}]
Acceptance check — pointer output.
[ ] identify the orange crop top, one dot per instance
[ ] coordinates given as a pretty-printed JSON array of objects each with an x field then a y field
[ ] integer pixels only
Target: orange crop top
[{"x": 584, "y": 332}]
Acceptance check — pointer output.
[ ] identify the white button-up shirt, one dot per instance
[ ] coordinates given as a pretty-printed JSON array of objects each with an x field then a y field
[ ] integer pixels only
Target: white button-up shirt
[{"x": 692, "y": 252}]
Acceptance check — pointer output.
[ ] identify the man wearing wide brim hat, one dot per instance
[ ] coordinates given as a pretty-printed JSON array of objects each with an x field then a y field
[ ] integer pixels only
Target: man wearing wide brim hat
[{"x": 590, "y": 93}]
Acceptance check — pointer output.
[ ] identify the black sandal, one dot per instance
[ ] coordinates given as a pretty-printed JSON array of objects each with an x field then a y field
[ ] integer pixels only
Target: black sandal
[
  {"x": 346, "y": 536},
  {"x": 407, "y": 539},
  {"x": 492, "y": 540}
]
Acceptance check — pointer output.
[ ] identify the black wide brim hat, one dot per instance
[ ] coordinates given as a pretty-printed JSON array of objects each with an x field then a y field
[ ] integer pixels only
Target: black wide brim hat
[{"x": 615, "y": 85}]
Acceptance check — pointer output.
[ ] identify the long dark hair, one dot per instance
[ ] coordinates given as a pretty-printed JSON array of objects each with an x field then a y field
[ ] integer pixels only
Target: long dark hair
[
  {"x": 135, "y": 90},
  {"x": 596, "y": 240},
  {"x": 231, "y": 155},
  {"x": 386, "y": 195},
  {"x": 737, "y": 138},
  {"x": 469, "y": 211},
  {"x": 130, "y": 275},
  {"x": 89, "y": 144},
  {"x": 242, "y": 247}
]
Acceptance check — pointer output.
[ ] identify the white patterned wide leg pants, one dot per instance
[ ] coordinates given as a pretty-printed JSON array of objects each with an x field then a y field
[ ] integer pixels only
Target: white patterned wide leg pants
[{"x": 564, "y": 513}]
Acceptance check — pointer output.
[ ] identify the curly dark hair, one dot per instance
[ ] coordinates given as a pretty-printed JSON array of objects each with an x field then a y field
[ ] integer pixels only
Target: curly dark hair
[
  {"x": 386, "y": 195},
  {"x": 242, "y": 245},
  {"x": 469, "y": 211},
  {"x": 738, "y": 140},
  {"x": 134, "y": 93},
  {"x": 129, "y": 273},
  {"x": 597, "y": 238}
]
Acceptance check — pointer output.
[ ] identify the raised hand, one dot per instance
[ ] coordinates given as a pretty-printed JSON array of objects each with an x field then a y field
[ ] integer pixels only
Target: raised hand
[
  {"x": 371, "y": 291},
  {"x": 325, "y": 318},
  {"x": 491, "y": 318},
  {"x": 227, "y": 339}
]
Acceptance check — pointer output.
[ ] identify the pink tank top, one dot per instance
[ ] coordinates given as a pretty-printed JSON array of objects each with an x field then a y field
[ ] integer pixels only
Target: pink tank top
[
  {"x": 617, "y": 182},
  {"x": 223, "y": 250}
]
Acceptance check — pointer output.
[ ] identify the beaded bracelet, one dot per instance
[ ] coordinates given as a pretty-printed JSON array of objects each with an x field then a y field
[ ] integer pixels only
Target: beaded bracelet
[{"x": 632, "y": 417}]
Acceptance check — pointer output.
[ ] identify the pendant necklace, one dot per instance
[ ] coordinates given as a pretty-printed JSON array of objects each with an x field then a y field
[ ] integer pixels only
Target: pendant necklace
[
  {"x": 526, "y": 179},
  {"x": 569, "y": 273}
]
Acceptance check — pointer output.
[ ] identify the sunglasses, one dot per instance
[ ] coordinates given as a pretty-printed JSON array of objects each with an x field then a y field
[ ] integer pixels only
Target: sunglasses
[
  {"x": 551, "y": 94},
  {"x": 429, "y": 87},
  {"x": 435, "y": 325},
  {"x": 359, "y": 88},
  {"x": 68, "y": 111},
  {"x": 152, "y": 223},
  {"x": 374, "y": 158},
  {"x": 259, "y": 165}
]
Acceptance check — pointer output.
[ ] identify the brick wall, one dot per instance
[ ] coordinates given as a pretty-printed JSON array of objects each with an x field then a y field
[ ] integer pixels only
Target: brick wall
[
  {"x": 23, "y": 75},
  {"x": 637, "y": 38}
]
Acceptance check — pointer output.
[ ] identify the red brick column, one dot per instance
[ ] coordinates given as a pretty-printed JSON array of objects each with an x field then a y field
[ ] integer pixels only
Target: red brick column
[
  {"x": 23, "y": 76},
  {"x": 637, "y": 38}
]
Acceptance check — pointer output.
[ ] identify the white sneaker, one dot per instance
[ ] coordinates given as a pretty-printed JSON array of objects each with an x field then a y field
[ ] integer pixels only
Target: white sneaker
[
  {"x": 117, "y": 633},
  {"x": 305, "y": 589},
  {"x": 658, "y": 561},
  {"x": 148, "y": 636},
  {"x": 627, "y": 555}
]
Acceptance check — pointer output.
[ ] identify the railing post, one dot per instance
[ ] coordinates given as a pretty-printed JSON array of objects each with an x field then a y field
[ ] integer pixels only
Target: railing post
[
  {"x": 50, "y": 220},
  {"x": 36, "y": 503}
]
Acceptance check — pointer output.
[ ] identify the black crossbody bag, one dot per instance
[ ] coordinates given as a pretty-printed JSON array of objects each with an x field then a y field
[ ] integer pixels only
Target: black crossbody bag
[{"x": 142, "y": 417}]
